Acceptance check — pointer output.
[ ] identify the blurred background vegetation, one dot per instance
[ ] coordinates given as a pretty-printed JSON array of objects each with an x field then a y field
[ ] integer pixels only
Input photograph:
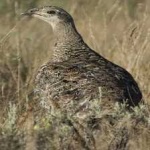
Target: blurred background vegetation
[{"x": 117, "y": 29}]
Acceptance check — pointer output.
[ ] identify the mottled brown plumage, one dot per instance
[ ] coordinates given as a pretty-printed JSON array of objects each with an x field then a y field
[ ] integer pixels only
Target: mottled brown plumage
[{"x": 77, "y": 74}]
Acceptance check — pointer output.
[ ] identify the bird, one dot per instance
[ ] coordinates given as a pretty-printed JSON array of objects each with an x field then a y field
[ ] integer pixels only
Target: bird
[{"x": 76, "y": 74}]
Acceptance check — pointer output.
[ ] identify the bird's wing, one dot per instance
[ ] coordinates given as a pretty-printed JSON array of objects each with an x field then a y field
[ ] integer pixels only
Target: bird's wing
[
  {"x": 67, "y": 85},
  {"x": 131, "y": 89}
]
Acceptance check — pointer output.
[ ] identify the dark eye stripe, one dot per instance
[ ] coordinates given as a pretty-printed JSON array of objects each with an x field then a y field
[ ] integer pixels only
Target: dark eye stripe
[{"x": 51, "y": 12}]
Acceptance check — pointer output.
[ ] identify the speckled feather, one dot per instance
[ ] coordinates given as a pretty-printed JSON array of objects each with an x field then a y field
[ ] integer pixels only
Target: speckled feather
[{"x": 82, "y": 75}]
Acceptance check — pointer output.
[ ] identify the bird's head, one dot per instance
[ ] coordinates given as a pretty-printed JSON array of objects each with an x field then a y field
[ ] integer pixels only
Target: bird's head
[{"x": 51, "y": 14}]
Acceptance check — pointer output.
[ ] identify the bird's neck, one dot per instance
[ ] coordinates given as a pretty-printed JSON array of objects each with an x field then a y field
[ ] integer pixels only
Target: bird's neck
[{"x": 67, "y": 42}]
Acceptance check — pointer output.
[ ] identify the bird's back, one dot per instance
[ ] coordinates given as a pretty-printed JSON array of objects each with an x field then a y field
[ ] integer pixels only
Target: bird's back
[{"x": 85, "y": 77}]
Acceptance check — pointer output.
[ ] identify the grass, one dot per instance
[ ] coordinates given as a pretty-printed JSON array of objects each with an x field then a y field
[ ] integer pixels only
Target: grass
[{"x": 118, "y": 30}]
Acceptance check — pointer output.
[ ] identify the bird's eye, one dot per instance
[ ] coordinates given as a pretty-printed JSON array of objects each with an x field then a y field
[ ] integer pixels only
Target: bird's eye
[{"x": 51, "y": 12}]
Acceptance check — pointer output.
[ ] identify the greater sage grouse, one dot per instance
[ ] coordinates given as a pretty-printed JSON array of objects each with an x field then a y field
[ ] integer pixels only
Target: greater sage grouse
[{"x": 76, "y": 74}]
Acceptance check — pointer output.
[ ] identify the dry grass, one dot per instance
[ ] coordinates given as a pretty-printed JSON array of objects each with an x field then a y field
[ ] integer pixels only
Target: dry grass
[{"x": 117, "y": 29}]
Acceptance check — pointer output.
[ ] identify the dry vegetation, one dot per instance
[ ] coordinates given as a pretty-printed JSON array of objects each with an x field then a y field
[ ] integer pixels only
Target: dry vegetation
[{"x": 117, "y": 29}]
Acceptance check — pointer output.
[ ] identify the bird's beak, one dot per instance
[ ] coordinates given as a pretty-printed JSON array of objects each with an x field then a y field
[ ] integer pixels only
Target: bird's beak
[
  {"x": 25, "y": 14},
  {"x": 30, "y": 12}
]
